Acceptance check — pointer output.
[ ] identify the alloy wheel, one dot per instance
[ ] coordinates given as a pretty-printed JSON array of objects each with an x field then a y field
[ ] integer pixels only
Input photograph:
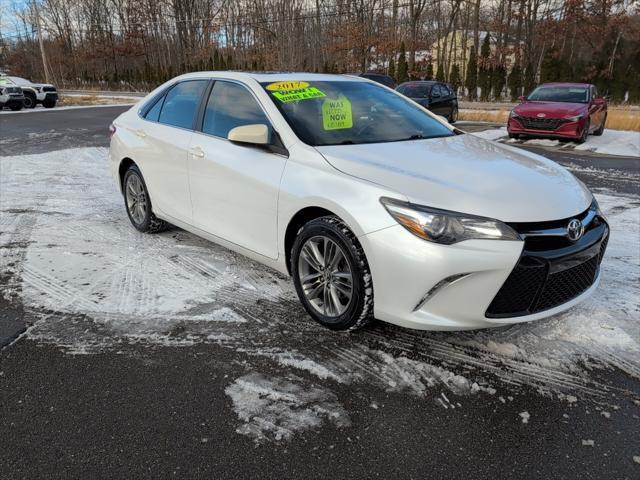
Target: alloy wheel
[
  {"x": 325, "y": 276},
  {"x": 136, "y": 199}
]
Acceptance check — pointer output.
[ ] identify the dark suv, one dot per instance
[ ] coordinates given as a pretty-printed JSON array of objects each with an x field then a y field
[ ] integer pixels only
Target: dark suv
[
  {"x": 438, "y": 97},
  {"x": 381, "y": 78}
]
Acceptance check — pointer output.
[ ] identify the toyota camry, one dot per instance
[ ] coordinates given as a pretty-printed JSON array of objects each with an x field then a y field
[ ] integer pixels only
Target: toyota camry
[{"x": 374, "y": 206}]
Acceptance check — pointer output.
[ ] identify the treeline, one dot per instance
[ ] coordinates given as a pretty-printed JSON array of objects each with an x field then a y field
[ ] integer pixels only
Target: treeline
[{"x": 488, "y": 49}]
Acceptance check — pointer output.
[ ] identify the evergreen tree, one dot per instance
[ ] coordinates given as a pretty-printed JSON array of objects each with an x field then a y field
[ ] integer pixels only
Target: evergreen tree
[
  {"x": 216, "y": 60},
  {"x": 484, "y": 75},
  {"x": 392, "y": 68},
  {"x": 551, "y": 67},
  {"x": 440, "y": 73},
  {"x": 529, "y": 78},
  {"x": 402, "y": 65},
  {"x": 472, "y": 74},
  {"x": 454, "y": 77},
  {"x": 515, "y": 82},
  {"x": 429, "y": 74},
  {"x": 498, "y": 80}
]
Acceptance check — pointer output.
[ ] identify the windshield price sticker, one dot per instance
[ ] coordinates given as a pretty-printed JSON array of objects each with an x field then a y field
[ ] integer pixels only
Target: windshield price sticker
[
  {"x": 307, "y": 93},
  {"x": 336, "y": 114}
]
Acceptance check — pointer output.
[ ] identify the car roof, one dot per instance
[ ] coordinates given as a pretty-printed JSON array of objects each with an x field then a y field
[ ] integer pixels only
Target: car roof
[
  {"x": 420, "y": 82},
  {"x": 565, "y": 84},
  {"x": 274, "y": 76}
]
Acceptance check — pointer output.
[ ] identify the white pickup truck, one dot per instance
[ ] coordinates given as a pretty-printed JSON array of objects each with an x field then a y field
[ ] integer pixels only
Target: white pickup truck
[
  {"x": 11, "y": 95},
  {"x": 35, "y": 93}
]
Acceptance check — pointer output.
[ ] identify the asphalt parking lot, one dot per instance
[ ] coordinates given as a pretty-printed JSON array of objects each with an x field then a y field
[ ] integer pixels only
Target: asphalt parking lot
[{"x": 133, "y": 356}]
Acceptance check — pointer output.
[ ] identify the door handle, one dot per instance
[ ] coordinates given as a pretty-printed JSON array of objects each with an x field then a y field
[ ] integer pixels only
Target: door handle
[
  {"x": 197, "y": 152},
  {"x": 140, "y": 133}
]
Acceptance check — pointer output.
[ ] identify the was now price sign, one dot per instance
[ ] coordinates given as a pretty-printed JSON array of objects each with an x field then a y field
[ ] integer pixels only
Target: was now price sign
[{"x": 336, "y": 114}]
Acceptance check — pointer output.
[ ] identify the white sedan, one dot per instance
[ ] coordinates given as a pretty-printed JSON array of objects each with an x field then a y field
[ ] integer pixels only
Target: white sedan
[{"x": 376, "y": 207}]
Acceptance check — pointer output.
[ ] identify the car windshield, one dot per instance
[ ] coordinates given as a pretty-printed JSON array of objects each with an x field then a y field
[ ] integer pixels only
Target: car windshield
[
  {"x": 415, "y": 90},
  {"x": 347, "y": 112},
  {"x": 560, "y": 94}
]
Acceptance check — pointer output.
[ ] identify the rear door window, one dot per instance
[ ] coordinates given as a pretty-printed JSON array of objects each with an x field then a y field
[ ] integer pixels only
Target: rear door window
[
  {"x": 231, "y": 105},
  {"x": 181, "y": 103}
]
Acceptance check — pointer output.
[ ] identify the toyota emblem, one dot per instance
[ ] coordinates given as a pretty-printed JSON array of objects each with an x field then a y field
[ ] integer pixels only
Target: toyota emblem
[
  {"x": 575, "y": 229},
  {"x": 541, "y": 115}
]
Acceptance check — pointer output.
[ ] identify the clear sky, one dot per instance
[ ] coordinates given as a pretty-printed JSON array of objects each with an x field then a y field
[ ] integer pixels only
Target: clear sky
[{"x": 8, "y": 20}]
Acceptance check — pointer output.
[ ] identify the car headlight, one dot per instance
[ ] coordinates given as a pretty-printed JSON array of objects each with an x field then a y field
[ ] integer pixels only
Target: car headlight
[
  {"x": 38, "y": 89},
  {"x": 575, "y": 118},
  {"x": 442, "y": 226},
  {"x": 513, "y": 114}
]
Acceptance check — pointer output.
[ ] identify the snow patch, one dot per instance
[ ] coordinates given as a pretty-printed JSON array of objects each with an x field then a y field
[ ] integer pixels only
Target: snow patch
[
  {"x": 611, "y": 142},
  {"x": 277, "y": 408}
]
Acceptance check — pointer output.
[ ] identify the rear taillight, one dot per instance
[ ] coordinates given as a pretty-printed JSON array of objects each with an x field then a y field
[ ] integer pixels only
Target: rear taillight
[{"x": 112, "y": 130}]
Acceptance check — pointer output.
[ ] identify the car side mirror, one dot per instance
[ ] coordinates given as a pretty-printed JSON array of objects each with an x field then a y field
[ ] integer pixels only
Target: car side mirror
[
  {"x": 522, "y": 99},
  {"x": 255, "y": 134},
  {"x": 599, "y": 101},
  {"x": 435, "y": 95}
]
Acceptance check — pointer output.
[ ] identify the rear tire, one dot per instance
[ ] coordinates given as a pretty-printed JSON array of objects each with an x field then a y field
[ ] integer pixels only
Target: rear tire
[
  {"x": 16, "y": 106},
  {"x": 49, "y": 103},
  {"x": 138, "y": 203},
  {"x": 29, "y": 100},
  {"x": 331, "y": 275}
]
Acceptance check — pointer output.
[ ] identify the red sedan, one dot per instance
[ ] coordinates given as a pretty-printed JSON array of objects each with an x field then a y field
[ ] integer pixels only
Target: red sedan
[{"x": 559, "y": 110}]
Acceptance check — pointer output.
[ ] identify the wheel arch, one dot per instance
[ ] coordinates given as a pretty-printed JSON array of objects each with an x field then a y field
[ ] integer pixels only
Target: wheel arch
[
  {"x": 125, "y": 163},
  {"x": 305, "y": 215}
]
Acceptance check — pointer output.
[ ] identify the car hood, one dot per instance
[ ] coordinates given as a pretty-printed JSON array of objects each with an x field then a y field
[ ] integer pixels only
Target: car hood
[
  {"x": 467, "y": 174},
  {"x": 36, "y": 85},
  {"x": 550, "y": 109}
]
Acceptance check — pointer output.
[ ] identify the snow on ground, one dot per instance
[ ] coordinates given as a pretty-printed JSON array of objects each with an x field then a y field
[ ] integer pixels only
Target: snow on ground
[
  {"x": 93, "y": 283},
  {"x": 277, "y": 408},
  {"x": 612, "y": 142},
  {"x": 124, "y": 102}
]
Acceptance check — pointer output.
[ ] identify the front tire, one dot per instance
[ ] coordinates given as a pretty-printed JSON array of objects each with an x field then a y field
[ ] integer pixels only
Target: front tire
[
  {"x": 453, "y": 117},
  {"x": 49, "y": 103},
  {"x": 138, "y": 203},
  {"x": 585, "y": 133},
  {"x": 16, "y": 106},
  {"x": 331, "y": 275},
  {"x": 600, "y": 129},
  {"x": 30, "y": 100}
]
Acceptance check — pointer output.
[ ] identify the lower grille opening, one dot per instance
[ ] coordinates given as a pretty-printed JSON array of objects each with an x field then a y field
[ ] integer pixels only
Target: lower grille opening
[{"x": 540, "y": 281}]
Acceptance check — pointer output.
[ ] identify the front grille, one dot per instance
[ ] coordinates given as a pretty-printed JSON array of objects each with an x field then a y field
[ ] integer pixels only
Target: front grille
[
  {"x": 520, "y": 289},
  {"x": 13, "y": 90},
  {"x": 544, "y": 279},
  {"x": 48, "y": 89},
  {"x": 535, "y": 123},
  {"x": 568, "y": 284}
]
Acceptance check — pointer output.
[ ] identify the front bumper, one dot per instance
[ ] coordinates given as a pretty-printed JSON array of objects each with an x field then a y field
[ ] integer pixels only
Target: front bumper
[
  {"x": 570, "y": 130},
  {"x": 8, "y": 100},
  {"x": 46, "y": 96},
  {"x": 427, "y": 286}
]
